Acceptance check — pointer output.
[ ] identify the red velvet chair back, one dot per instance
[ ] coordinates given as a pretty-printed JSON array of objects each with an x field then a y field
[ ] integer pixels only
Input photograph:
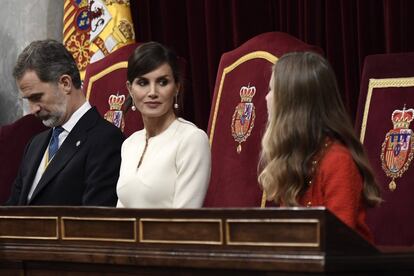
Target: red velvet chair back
[
  {"x": 238, "y": 117},
  {"x": 387, "y": 86},
  {"x": 13, "y": 140},
  {"x": 105, "y": 88}
]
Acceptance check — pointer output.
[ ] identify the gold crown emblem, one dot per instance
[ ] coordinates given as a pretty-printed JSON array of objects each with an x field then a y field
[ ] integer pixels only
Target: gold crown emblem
[
  {"x": 402, "y": 118},
  {"x": 124, "y": 32},
  {"x": 247, "y": 93},
  {"x": 116, "y": 102}
]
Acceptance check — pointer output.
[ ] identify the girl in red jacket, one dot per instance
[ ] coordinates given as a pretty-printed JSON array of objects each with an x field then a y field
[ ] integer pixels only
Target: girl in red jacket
[{"x": 310, "y": 153}]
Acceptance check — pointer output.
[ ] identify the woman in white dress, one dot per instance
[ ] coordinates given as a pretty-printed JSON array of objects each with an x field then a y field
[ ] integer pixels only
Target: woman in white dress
[{"x": 167, "y": 164}]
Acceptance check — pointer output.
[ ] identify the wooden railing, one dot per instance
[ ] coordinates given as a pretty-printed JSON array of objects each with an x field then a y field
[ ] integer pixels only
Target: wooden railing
[{"x": 109, "y": 241}]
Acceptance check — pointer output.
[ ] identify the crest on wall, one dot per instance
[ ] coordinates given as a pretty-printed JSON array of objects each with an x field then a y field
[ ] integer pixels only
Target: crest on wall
[
  {"x": 398, "y": 147},
  {"x": 244, "y": 115},
  {"x": 115, "y": 114}
]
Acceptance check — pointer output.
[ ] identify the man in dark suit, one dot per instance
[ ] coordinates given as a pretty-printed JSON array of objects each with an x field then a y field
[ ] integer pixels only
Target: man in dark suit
[{"x": 77, "y": 161}]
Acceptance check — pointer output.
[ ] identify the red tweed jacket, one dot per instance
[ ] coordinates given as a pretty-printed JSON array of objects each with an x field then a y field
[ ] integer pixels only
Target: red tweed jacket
[{"x": 337, "y": 185}]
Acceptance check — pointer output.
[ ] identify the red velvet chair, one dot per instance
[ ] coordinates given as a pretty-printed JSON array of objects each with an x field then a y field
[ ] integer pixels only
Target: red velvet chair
[
  {"x": 13, "y": 140},
  {"x": 385, "y": 110},
  {"x": 105, "y": 88},
  {"x": 238, "y": 117}
]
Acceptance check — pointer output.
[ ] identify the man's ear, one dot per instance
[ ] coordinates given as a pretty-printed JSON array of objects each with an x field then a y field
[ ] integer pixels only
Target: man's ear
[{"x": 65, "y": 82}]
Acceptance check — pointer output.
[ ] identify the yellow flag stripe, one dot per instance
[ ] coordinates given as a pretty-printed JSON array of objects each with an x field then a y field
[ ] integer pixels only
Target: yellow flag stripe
[
  {"x": 66, "y": 38},
  {"x": 68, "y": 13},
  {"x": 68, "y": 24}
]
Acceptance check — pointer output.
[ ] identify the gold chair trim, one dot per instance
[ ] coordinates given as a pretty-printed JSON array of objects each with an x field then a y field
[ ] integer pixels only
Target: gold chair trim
[
  {"x": 253, "y": 55},
  {"x": 116, "y": 66}
]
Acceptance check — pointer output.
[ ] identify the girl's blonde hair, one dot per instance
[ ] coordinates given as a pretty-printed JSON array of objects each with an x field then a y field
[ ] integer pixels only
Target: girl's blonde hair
[{"x": 306, "y": 109}]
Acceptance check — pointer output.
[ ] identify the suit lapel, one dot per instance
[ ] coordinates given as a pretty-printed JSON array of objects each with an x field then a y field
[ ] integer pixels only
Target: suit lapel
[
  {"x": 35, "y": 156},
  {"x": 72, "y": 144}
]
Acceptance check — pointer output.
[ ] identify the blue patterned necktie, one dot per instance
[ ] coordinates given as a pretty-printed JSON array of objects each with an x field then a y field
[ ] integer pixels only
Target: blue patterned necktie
[{"x": 54, "y": 141}]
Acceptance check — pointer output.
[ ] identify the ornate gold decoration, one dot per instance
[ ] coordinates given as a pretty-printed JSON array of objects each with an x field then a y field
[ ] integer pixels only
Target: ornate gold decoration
[
  {"x": 253, "y": 55},
  {"x": 397, "y": 150},
  {"x": 380, "y": 83},
  {"x": 78, "y": 45},
  {"x": 242, "y": 122},
  {"x": 124, "y": 32},
  {"x": 115, "y": 114}
]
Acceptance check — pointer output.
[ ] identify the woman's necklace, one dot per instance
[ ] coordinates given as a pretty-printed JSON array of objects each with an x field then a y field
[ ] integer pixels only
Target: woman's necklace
[{"x": 143, "y": 152}]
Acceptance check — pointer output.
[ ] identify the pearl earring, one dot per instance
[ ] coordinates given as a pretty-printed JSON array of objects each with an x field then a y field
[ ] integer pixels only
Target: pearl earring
[
  {"x": 176, "y": 106},
  {"x": 133, "y": 107}
]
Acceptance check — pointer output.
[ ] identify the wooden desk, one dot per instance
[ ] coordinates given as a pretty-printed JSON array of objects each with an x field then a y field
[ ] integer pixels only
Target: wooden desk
[{"x": 109, "y": 241}]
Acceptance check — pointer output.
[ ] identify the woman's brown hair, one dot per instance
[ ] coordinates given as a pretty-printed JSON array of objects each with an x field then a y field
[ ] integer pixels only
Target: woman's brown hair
[
  {"x": 306, "y": 109},
  {"x": 148, "y": 57}
]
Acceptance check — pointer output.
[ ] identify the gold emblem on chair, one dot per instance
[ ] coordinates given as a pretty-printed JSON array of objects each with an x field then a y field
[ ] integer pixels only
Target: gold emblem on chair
[
  {"x": 115, "y": 114},
  {"x": 398, "y": 147},
  {"x": 242, "y": 122}
]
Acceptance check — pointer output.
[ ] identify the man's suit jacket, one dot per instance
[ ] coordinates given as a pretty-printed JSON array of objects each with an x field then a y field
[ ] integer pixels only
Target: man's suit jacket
[{"x": 84, "y": 170}]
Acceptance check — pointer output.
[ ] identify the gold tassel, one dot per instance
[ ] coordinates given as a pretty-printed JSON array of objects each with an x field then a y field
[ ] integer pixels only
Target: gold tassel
[{"x": 392, "y": 186}]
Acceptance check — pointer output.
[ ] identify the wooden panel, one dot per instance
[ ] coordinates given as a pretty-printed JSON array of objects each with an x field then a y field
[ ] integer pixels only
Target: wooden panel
[
  {"x": 273, "y": 232},
  {"x": 279, "y": 241},
  {"x": 183, "y": 231},
  {"x": 11, "y": 268},
  {"x": 28, "y": 227},
  {"x": 99, "y": 229}
]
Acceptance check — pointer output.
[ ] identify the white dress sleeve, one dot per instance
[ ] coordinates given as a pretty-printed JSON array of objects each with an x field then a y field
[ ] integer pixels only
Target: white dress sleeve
[
  {"x": 193, "y": 163},
  {"x": 124, "y": 171},
  {"x": 119, "y": 204}
]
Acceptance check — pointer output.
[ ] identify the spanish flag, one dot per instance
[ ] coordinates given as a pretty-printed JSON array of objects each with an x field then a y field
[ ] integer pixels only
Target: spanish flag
[{"x": 92, "y": 29}]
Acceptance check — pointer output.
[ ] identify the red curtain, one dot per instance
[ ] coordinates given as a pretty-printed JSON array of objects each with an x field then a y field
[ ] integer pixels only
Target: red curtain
[{"x": 201, "y": 30}]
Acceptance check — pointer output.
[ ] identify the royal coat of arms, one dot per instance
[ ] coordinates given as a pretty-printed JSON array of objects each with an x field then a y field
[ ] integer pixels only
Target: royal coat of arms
[
  {"x": 115, "y": 114},
  {"x": 242, "y": 122},
  {"x": 398, "y": 147}
]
